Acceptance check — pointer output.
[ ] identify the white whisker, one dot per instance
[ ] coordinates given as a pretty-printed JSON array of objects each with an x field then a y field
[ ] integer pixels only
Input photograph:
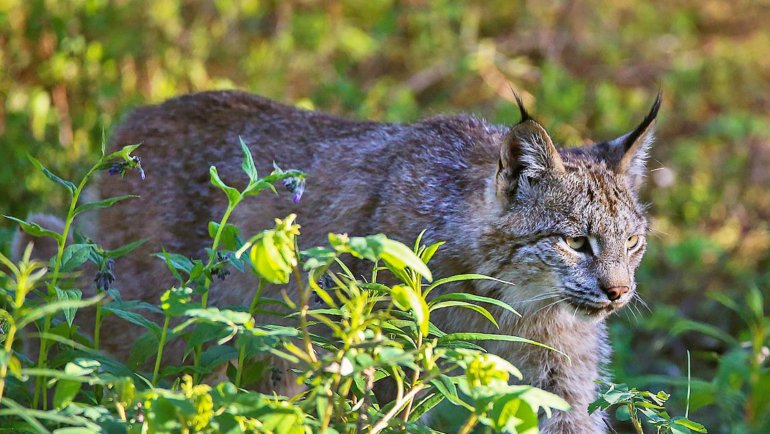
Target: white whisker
[{"x": 550, "y": 304}]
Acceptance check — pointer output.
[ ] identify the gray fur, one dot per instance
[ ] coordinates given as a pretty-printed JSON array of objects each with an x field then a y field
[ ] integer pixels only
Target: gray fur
[{"x": 502, "y": 201}]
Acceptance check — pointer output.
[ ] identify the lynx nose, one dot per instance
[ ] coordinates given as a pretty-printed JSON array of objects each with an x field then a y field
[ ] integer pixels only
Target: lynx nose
[{"x": 615, "y": 292}]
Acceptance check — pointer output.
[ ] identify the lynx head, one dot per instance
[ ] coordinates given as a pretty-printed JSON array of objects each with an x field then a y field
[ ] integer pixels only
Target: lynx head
[{"x": 570, "y": 231}]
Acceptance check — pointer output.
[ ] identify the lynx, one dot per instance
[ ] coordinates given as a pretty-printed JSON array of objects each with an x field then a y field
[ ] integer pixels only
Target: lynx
[{"x": 564, "y": 225}]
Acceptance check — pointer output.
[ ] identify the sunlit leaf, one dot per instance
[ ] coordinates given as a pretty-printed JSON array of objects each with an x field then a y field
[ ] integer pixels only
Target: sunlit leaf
[
  {"x": 105, "y": 203},
  {"x": 50, "y": 175}
]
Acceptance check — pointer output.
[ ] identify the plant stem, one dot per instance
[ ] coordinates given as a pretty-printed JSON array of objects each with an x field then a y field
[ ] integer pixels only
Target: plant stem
[
  {"x": 40, "y": 383},
  {"x": 329, "y": 410},
  {"x": 416, "y": 373},
  {"x": 687, "y": 409},
  {"x": 161, "y": 344},
  {"x": 242, "y": 349},
  {"x": 383, "y": 423},
  {"x": 222, "y": 224},
  {"x": 303, "y": 299},
  {"x": 257, "y": 296},
  {"x": 469, "y": 424},
  {"x": 97, "y": 325},
  {"x": 207, "y": 282},
  {"x": 363, "y": 415},
  {"x": 635, "y": 419},
  {"x": 415, "y": 379},
  {"x": 8, "y": 347}
]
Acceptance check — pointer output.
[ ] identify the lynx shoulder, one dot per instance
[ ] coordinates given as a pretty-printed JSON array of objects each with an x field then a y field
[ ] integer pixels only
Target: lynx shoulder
[{"x": 564, "y": 225}]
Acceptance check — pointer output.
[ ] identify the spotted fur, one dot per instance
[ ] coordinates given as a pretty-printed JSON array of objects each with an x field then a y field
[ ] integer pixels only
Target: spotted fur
[{"x": 502, "y": 197}]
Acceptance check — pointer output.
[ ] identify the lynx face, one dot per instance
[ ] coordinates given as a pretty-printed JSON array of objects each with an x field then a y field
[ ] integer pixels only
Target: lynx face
[{"x": 572, "y": 225}]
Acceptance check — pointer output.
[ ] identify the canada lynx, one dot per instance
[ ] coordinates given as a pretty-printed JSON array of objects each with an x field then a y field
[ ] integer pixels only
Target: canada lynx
[{"x": 564, "y": 225}]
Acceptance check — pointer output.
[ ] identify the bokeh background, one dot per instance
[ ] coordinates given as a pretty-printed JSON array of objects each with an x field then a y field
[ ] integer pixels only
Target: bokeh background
[{"x": 588, "y": 70}]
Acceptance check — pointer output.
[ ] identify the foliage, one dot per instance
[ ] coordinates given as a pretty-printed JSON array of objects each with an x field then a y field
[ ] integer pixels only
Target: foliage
[
  {"x": 376, "y": 333},
  {"x": 587, "y": 70},
  {"x": 632, "y": 402}
]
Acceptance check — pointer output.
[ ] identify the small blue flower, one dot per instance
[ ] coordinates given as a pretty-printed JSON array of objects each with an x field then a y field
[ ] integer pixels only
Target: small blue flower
[
  {"x": 295, "y": 185},
  {"x": 105, "y": 276},
  {"x": 122, "y": 167},
  {"x": 219, "y": 269},
  {"x": 117, "y": 169}
]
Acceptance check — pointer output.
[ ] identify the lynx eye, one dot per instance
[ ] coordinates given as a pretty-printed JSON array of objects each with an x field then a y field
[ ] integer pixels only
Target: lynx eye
[
  {"x": 578, "y": 244},
  {"x": 633, "y": 242}
]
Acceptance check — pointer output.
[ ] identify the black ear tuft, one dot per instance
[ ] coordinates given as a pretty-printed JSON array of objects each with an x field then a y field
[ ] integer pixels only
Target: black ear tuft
[
  {"x": 627, "y": 154},
  {"x": 631, "y": 138},
  {"x": 522, "y": 110},
  {"x": 527, "y": 151}
]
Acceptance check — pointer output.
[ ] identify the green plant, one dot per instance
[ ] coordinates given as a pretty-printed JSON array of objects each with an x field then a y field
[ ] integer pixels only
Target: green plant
[
  {"x": 375, "y": 333},
  {"x": 69, "y": 257},
  {"x": 632, "y": 403}
]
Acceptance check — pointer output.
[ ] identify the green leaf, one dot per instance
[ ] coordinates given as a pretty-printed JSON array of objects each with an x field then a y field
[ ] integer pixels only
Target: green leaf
[
  {"x": 678, "y": 429},
  {"x": 460, "y": 278},
  {"x": 283, "y": 420},
  {"x": 685, "y": 325},
  {"x": 400, "y": 256},
  {"x": 462, "y": 296},
  {"x": 755, "y": 303},
  {"x": 34, "y": 229},
  {"x": 53, "y": 307},
  {"x": 229, "y": 239},
  {"x": 105, "y": 203},
  {"x": 618, "y": 396},
  {"x": 447, "y": 388},
  {"x": 124, "y": 153},
  {"x": 406, "y": 298},
  {"x": 176, "y": 261},
  {"x": 233, "y": 196},
  {"x": 510, "y": 413},
  {"x": 74, "y": 256},
  {"x": 224, "y": 316},
  {"x": 694, "y": 426},
  {"x": 132, "y": 317},
  {"x": 621, "y": 413},
  {"x": 429, "y": 251},
  {"x": 493, "y": 337},
  {"x": 317, "y": 257},
  {"x": 76, "y": 430},
  {"x": 124, "y": 250},
  {"x": 216, "y": 355},
  {"x": 539, "y": 398},
  {"x": 425, "y": 405},
  {"x": 69, "y": 294},
  {"x": 176, "y": 301},
  {"x": 369, "y": 248},
  {"x": 248, "y": 161},
  {"x": 485, "y": 313},
  {"x": 65, "y": 393},
  {"x": 50, "y": 175}
]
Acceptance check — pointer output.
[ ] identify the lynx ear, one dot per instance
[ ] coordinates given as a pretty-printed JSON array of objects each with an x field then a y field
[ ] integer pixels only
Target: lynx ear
[
  {"x": 627, "y": 154},
  {"x": 527, "y": 151}
]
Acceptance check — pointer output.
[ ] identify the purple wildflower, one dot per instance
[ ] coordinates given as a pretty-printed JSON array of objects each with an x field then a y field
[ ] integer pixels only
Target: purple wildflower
[
  {"x": 116, "y": 169},
  {"x": 122, "y": 167},
  {"x": 296, "y": 185},
  {"x": 219, "y": 269},
  {"x": 105, "y": 276}
]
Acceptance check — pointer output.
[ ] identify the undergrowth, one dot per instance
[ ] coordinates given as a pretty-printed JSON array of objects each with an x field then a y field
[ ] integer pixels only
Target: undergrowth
[{"x": 366, "y": 334}]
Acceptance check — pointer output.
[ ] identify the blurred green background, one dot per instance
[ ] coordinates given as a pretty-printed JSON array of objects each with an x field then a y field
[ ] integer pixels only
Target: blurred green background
[{"x": 587, "y": 70}]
